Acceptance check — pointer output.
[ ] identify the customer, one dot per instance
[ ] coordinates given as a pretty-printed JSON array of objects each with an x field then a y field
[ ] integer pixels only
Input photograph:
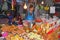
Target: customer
[
  {"x": 14, "y": 21},
  {"x": 20, "y": 21},
  {"x": 10, "y": 17}
]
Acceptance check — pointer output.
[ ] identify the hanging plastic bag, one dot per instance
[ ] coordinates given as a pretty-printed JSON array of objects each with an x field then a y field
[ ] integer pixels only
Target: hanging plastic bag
[
  {"x": 41, "y": 7},
  {"x": 46, "y": 8},
  {"x": 0, "y": 7},
  {"x": 5, "y": 6}
]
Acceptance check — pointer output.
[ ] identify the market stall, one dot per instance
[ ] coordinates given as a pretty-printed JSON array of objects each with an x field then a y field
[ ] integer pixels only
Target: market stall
[{"x": 43, "y": 28}]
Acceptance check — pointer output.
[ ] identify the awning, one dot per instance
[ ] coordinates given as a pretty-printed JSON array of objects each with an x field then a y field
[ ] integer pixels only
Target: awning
[{"x": 57, "y": 0}]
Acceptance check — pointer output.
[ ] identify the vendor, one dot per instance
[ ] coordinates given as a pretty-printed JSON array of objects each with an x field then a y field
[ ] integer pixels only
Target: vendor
[{"x": 30, "y": 14}]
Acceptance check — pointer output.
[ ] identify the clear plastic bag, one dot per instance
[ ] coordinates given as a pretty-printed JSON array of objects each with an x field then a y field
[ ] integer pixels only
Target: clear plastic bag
[{"x": 5, "y": 6}]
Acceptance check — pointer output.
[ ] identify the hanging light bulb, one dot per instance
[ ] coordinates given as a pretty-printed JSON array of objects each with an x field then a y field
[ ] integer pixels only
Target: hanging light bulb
[
  {"x": 25, "y": 6},
  {"x": 42, "y": 2}
]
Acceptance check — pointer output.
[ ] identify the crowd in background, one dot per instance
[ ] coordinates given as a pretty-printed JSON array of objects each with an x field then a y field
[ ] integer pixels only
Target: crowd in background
[{"x": 34, "y": 10}]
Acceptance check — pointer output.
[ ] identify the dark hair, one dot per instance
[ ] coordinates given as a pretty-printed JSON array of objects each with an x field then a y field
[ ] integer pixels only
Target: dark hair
[{"x": 31, "y": 6}]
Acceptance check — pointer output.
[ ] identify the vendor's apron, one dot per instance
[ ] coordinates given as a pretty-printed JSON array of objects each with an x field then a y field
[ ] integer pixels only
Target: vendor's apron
[{"x": 30, "y": 19}]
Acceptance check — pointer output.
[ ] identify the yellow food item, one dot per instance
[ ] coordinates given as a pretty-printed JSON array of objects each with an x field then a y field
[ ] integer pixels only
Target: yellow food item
[
  {"x": 16, "y": 37},
  {"x": 21, "y": 38},
  {"x": 48, "y": 25},
  {"x": 13, "y": 38},
  {"x": 27, "y": 30}
]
